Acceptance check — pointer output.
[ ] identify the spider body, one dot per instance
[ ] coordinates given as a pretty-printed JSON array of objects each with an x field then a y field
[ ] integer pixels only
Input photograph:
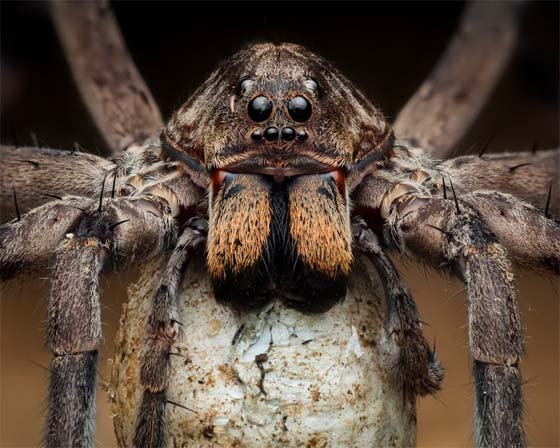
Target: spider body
[
  {"x": 270, "y": 125},
  {"x": 282, "y": 171}
]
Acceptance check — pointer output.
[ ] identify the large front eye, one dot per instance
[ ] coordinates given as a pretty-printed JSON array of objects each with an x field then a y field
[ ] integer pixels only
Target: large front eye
[
  {"x": 260, "y": 108},
  {"x": 299, "y": 108}
]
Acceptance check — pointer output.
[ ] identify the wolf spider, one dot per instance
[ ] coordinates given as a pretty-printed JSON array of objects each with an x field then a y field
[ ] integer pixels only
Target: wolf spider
[{"x": 281, "y": 170}]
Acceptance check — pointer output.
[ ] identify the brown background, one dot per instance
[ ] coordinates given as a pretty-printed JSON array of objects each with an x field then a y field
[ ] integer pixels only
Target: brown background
[{"x": 387, "y": 51}]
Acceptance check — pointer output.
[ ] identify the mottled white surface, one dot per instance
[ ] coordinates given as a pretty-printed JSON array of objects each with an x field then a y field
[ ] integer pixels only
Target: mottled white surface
[{"x": 290, "y": 379}]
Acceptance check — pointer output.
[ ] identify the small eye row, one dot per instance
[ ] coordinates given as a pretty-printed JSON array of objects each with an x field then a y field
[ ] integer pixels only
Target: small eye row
[
  {"x": 272, "y": 133},
  {"x": 260, "y": 108}
]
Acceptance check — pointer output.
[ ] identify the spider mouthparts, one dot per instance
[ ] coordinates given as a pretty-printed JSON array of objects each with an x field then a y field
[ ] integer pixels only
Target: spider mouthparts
[
  {"x": 279, "y": 236},
  {"x": 339, "y": 179},
  {"x": 280, "y": 174},
  {"x": 218, "y": 178}
]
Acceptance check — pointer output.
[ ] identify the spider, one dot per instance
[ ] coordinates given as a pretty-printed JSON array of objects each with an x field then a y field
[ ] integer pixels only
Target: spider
[{"x": 283, "y": 171}]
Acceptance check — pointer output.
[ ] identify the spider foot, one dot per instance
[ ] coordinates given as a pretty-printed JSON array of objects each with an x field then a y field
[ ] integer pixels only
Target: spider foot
[{"x": 418, "y": 367}]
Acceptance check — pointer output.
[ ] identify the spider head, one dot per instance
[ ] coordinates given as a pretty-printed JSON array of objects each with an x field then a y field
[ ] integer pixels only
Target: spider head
[
  {"x": 278, "y": 105},
  {"x": 278, "y": 130}
]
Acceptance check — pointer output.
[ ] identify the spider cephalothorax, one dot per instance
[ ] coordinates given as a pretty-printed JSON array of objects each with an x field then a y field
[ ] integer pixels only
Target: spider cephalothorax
[
  {"x": 277, "y": 106},
  {"x": 279, "y": 130},
  {"x": 283, "y": 171}
]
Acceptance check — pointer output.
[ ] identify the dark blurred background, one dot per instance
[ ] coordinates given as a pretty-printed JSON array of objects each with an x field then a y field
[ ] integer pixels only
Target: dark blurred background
[{"x": 387, "y": 49}]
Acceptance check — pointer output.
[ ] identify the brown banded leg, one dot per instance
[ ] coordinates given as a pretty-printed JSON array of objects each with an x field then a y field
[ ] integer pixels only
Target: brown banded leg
[
  {"x": 163, "y": 328},
  {"x": 127, "y": 229},
  {"x": 530, "y": 233},
  {"x": 74, "y": 330},
  {"x": 456, "y": 233},
  {"x": 418, "y": 366},
  {"x": 73, "y": 335}
]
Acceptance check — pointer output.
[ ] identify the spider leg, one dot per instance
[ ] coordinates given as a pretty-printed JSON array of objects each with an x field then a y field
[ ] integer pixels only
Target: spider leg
[
  {"x": 74, "y": 332},
  {"x": 474, "y": 252},
  {"x": 531, "y": 238},
  {"x": 526, "y": 175},
  {"x": 449, "y": 100},
  {"x": 35, "y": 173},
  {"x": 418, "y": 366},
  {"x": 163, "y": 328},
  {"x": 115, "y": 93},
  {"x": 28, "y": 243},
  {"x": 531, "y": 235},
  {"x": 126, "y": 229}
]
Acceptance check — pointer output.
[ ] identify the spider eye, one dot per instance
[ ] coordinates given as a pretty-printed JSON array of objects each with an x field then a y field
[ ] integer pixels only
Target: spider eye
[
  {"x": 260, "y": 108},
  {"x": 299, "y": 109},
  {"x": 245, "y": 85},
  {"x": 311, "y": 85}
]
